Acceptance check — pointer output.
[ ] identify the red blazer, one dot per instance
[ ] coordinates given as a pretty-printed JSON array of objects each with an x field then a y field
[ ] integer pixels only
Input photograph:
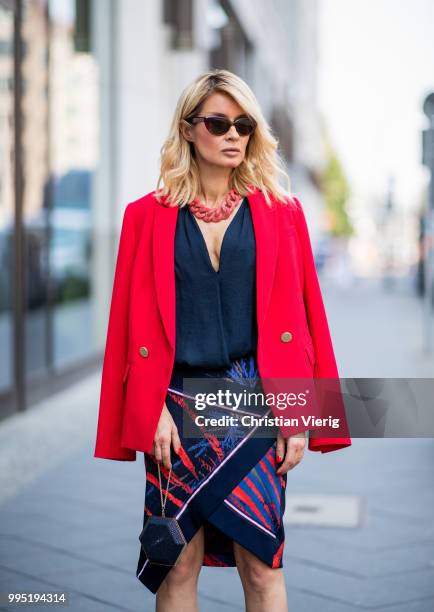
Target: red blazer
[{"x": 140, "y": 345}]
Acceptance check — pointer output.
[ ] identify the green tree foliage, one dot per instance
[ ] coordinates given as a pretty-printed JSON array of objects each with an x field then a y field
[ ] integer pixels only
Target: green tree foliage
[{"x": 336, "y": 191}]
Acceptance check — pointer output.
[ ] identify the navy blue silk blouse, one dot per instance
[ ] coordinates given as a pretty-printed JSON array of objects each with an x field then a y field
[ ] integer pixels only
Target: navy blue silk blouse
[{"x": 215, "y": 311}]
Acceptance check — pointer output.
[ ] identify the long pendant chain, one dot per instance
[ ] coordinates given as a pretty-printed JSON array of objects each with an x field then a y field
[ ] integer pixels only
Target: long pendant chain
[{"x": 163, "y": 505}]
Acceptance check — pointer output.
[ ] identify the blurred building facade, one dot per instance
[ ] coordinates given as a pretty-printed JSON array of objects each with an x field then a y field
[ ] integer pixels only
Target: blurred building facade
[{"x": 88, "y": 92}]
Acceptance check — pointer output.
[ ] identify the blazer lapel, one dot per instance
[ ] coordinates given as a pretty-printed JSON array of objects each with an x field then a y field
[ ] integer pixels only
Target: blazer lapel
[
  {"x": 163, "y": 252},
  {"x": 265, "y": 224}
]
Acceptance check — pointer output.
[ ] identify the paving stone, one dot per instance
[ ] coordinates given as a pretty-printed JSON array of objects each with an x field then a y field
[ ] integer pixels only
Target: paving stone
[
  {"x": 378, "y": 591},
  {"x": 420, "y": 605},
  {"x": 113, "y": 586},
  {"x": 301, "y": 546},
  {"x": 323, "y": 510},
  {"x": 211, "y": 581}
]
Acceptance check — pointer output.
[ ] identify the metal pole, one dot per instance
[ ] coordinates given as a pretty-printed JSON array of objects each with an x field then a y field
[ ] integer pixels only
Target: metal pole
[
  {"x": 428, "y": 268},
  {"x": 428, "y": 160}
]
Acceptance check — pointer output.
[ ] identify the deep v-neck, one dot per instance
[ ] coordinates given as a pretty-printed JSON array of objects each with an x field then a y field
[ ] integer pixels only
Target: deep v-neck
[{"x": 223, "y": 239}]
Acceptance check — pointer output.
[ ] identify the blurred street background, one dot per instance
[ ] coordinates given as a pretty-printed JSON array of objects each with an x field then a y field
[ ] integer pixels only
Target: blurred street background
[{"x": 88, "y": 88}]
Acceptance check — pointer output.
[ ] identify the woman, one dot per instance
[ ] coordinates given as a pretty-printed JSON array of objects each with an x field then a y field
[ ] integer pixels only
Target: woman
[{"x": 215, "y": 274}]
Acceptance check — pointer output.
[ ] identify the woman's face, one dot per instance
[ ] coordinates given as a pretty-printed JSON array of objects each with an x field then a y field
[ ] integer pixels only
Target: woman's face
[{"x": 209, "y": 148}]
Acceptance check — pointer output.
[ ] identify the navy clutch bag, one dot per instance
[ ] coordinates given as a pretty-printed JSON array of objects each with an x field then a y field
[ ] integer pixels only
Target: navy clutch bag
[{"x": 161, "y": 538}]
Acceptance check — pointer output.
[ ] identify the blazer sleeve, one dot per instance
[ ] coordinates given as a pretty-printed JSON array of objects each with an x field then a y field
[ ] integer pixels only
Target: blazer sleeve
[
  {"x": 111, "y": 401},
  {"x": 325, "y": 363}
]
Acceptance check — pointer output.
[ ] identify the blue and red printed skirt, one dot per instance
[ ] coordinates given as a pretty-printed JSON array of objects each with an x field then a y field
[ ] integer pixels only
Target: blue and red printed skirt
[{"x": 227, "y": 484}]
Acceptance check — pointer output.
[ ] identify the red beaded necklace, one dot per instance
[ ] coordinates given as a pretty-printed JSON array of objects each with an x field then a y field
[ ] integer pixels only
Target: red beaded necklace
[{"x": 223, "y": 211}]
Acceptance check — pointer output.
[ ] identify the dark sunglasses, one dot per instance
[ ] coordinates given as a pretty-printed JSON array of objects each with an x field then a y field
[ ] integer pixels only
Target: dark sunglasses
[{"x": 220, "y": 125}]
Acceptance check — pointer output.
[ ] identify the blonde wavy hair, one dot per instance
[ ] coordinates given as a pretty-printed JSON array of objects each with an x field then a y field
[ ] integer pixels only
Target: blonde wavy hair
[{"x": 261, "y": 165}]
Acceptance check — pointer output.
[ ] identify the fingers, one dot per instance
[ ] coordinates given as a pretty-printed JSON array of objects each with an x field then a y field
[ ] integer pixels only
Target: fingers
[
  {"x": 175, "y": 439},
  {"x": 165, "y": 451},
  {"x": 294, "y": 453},
  {"x": 166, "y": 434},
  {"x": 157, "y": 451},
  {"x": 280, "y": 447},
  {"x": 161, "y": 451}
]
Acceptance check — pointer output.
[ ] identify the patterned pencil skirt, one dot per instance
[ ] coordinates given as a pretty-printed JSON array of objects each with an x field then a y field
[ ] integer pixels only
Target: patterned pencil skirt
[{"x": 226, "y": 483}]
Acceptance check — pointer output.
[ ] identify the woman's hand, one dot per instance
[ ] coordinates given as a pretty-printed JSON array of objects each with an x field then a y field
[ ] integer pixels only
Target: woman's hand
[
  {"x": 165, "y": 435},
  {"x": 294, "y": 451}
]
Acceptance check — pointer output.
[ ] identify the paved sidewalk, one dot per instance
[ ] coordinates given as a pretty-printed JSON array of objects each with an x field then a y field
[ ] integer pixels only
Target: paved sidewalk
[{"x": 69, "y": 521}]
